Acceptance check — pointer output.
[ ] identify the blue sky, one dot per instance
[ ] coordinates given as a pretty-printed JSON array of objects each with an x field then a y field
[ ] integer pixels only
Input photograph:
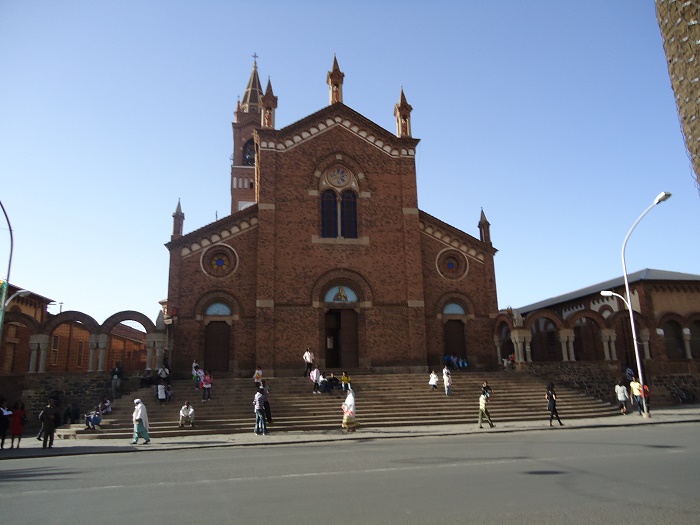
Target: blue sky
[{"x": 557, "y": 118}]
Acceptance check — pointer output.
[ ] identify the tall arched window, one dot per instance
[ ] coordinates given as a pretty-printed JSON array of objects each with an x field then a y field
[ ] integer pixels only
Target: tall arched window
[
  {"x": 348, "y": 215},
  {"x": 339, "y": 220},
  {"x": 673, "y": 339},
  {"x": 249, "y": 153},
  {"x": 329, "y": 214}
]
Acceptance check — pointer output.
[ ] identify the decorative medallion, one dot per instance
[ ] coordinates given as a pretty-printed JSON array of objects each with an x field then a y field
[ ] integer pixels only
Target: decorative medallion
[
  {"x": 338, "y": 177},
  {"x": 452, "y": 264},
  {"x": 219, "y": 261}
]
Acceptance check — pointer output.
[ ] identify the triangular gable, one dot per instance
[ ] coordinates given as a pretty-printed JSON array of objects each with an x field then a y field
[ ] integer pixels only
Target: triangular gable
[
  {"x": 233, "y": 225},
  {"x": 454, "y": 237},
  {"x": 329, "y": 117}
]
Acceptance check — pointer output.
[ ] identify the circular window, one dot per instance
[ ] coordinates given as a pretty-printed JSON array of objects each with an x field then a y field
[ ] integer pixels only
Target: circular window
[
  {"x": 452, "y": 264},
  {"x": 219, "y": 261}
]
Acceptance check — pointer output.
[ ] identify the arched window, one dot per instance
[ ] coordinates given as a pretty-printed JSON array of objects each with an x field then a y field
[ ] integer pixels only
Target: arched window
[
  {"x": 673, "y": 338},
  {"x": 695, "y": 339},
  {"x": 329, "y": 214},
  {"x": 249, "y": 153},
  {"x": 343, "y": 215},
  {"x": 348, "y": 215},
  {"x": 218, "y": 309},
  {"x": 453, "y": 308},
  {"x": 340, "y": 294}
]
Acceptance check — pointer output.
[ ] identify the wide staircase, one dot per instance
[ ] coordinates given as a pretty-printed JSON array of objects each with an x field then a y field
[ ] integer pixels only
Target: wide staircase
[{"x": 382, "y": 400}]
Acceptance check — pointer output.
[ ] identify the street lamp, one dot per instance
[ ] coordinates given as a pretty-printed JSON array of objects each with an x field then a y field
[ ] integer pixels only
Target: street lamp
[
  {"x": 661, "y": 197},
  {"x": 3, "y": 288},
  {"x": 19, "y": 293}
]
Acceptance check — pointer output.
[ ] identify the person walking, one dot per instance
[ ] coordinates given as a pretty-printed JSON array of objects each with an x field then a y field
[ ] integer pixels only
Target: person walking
[
  {"x": 315, "y": 376},
  {"x": 647, "y": 398},
  {"x": 483, "y": 411},
  {"x": 636, "y": 391},
  {"x": 551, "y": 397},
  {"x": 140, "y": 419},
  {"x": 433, "y": 381},
  {"x": 257, "y": 376},
  {"x": 308, "y": 361},
  {"x": 622, "y": 396},
  {"x": 50, "y": 419},
  {"x": 207, "y": 380},
  {"x": 447, "y": 380},
  {"x": 17, "y": 422},
  {"x": 259, "y": 409},
  {"x": 161, "y": 393},
  {"x": 195, "y": 376},
  {"x": 5, "y": 414},
  {"x": 266, "y": 403},
  {"x": 349, "y": 421},
  {"x": 116, "y": 373}
]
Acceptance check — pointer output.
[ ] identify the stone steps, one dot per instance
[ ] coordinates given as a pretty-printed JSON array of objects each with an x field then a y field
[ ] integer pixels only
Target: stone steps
[{"x": 382, "y": 401}]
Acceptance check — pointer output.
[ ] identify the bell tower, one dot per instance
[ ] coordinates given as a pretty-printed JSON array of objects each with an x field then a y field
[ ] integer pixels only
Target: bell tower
[{"x": 248, "y": 117}]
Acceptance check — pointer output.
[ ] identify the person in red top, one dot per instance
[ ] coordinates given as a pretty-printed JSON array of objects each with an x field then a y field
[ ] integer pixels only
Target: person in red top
[
  {"x": 17, "y": 422},
  {"x": 206, "y": 386}
]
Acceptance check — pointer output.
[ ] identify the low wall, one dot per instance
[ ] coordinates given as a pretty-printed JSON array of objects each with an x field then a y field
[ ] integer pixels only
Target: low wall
[{"x": 597, "y": 380}]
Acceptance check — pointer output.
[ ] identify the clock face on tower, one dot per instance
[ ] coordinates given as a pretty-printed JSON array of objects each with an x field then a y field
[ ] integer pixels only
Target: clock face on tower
[{"x": 338, "y": 177}]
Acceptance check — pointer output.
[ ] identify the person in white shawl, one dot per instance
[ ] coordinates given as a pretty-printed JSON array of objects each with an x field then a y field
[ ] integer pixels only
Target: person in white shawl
[
  {"x": 349, "y": 422},
  {"x": 140, "y": 419}
]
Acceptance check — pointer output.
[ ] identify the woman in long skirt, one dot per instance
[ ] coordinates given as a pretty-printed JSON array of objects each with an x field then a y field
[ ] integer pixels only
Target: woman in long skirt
[
  {"x": 349, "y": 422},
  {"x": 140, "y": 418}
]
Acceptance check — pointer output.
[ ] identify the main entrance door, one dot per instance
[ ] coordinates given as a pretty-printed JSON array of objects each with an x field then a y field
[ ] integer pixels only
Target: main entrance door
[
  {"x": 455, "y": 343},
  {"x": 217, "y": 337},
  {"x": 341, "y": 339}
]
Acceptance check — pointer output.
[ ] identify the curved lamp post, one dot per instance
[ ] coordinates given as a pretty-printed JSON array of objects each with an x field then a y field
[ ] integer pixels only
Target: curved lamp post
[
  {"x": 661, "y": 197},
  {"x": 3, "y": 289}
]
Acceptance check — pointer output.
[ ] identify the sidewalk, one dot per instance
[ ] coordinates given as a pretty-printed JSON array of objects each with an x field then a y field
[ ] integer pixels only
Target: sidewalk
[{"x": 32, "y": 448}]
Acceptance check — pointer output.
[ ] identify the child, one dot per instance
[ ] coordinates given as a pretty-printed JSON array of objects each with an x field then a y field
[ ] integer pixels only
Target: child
[
  {"x": 257, "y": 376},
  {"x": 433, "y": 381},
  {"x": 161, "y": 392}
]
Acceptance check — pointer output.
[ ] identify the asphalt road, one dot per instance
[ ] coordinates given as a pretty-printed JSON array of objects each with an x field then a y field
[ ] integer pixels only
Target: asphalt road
[{"x": 639, "y": 475}]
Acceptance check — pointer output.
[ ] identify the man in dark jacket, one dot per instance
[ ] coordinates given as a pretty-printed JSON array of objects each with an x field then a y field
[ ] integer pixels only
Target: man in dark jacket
[{"x": 50, "y": 419}]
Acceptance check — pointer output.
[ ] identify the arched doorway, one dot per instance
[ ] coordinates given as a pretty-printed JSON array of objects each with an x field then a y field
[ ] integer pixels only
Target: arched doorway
[
  {"x": 340, "y": 326},
  {"x": 454, "y": 340},
  {"x": 545, "y": 341},
  {"x": 217, "y": 338}
]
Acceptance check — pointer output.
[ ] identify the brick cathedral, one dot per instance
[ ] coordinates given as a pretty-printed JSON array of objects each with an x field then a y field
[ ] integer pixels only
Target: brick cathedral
[{"x": 326, "y": 248}]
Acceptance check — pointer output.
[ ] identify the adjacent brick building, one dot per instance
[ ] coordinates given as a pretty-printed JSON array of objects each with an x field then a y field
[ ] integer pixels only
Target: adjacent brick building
[{"x": 326, "y": 248}]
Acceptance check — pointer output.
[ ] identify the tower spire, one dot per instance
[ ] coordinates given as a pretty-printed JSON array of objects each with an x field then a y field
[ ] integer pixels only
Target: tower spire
[
  {"x": 253, "y": 91},
  {"x": 269, "y": 104},
  {"x": 335, "y": 83},
  {"x": 402, "y": 112},
  {"x": 484, "y": 228},
  {"x": 178, "y": 222}
]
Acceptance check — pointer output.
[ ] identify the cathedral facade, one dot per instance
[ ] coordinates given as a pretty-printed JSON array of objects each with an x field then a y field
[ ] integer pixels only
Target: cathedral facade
[{"x": 325, "y": 248}]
